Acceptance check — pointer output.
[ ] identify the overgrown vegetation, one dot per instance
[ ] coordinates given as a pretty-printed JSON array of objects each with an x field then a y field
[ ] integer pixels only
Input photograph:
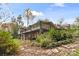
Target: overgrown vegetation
[
  {"x": 54, "y": 38},
  {"x": 17, "y": 24},
  {"x": 8, "y": 46}
]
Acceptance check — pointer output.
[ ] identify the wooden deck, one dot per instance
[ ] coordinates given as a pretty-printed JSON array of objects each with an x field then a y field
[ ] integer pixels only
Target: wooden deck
[{"x": 36, "y": 29}]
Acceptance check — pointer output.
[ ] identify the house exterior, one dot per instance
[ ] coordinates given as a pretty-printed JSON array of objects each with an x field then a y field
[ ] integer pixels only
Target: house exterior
[{"x": 36, "y": 29}]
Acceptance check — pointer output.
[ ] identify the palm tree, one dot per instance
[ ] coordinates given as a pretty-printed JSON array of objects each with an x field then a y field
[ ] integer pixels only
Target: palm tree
[{"x": 28, "y": 14}]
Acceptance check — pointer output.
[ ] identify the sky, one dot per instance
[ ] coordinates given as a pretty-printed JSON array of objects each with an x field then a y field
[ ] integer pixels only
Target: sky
[{"x": 51, "y": 11}]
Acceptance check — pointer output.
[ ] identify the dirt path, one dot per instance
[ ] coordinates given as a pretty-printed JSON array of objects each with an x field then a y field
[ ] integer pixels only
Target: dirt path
[{"x": 27, "y": 50}]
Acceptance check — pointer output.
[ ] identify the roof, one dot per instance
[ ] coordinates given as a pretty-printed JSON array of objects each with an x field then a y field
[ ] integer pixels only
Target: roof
[
  {"x": 36, "y": 26},
  {"x": 32, "y": 30}
]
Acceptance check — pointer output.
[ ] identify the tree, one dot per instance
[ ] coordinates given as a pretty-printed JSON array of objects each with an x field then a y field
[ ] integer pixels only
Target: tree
[
  {"x": 20, "y": 23},
  {"x": 14, "y": 31},
  {"x": 76, "y": 25},
  {"x": 5, "y": 13},
  {"x": 19, "y": 20},
  {"x": 77, "y": 21},
  {"x": 13, "y": 19},
  {"x": 60, "y": 21},
  {"x": 28, "y": 14}
]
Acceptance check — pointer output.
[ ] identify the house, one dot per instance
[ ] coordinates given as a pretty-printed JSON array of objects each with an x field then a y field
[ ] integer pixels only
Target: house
[{"x": 36, "y": 29}]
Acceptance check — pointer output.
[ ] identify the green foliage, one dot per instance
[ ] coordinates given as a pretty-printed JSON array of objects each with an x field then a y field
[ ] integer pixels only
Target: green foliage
[
  {"x": 17, "y": 24},
  {"x": 44, "y": 40},
  {"x": 54, "y": 38},
  {"x": 15, "y": 31},
  {"x": 8, "y": 46},
  {"x": 59, "y": 35}
]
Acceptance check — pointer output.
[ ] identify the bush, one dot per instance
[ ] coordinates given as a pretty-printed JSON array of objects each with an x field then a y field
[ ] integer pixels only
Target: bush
[
  {"x": 44, "y": 40},
  {"x": 54, "y": 38},
  {"x": 8, "y": 46},
  {"x": 60, "y": 35}
]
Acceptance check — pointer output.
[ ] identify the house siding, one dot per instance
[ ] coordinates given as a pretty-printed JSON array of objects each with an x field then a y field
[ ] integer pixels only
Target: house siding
[{"x": 34, "y": 30}]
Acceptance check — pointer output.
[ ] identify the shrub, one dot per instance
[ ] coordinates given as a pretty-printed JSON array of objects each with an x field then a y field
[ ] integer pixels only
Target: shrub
[
  {"x": 44, "y": 40},
  {"x": 61, "y": 35},
  {"x": 54, "y": 38},
  {"x": 8, "y": 46}
]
